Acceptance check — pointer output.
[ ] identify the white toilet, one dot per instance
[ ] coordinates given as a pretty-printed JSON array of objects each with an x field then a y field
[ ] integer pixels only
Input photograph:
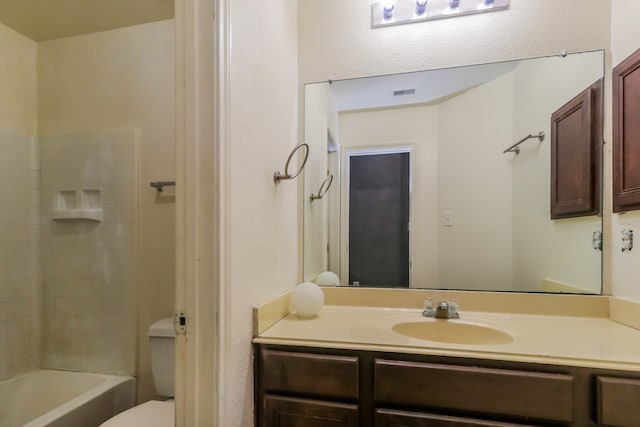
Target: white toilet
[{"x": 155, "y": 413}]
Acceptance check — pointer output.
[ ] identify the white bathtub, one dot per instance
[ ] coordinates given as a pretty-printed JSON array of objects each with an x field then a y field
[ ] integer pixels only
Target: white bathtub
[{"x": 50, "y": 398}]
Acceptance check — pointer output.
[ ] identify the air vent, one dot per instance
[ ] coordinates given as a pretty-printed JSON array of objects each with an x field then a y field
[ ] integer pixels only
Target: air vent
[{"x": 403, "y": 92}]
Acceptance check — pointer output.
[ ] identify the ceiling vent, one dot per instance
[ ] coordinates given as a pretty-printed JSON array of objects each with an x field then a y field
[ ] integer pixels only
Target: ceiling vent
[{"x": 403, "y": 92}]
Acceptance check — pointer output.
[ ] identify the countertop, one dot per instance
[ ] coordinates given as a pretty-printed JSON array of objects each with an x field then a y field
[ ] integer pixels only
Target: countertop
[{"x": 588, "y": 341}]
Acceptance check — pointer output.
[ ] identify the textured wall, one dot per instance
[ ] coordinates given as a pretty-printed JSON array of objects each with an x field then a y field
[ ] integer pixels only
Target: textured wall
[
  {"x": 264, "y": 216},
  {"x": 336, "y": 40},
  {"x": 625, "y": 267}
]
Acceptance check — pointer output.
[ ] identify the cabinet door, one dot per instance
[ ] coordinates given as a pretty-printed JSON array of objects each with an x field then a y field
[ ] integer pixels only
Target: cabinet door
[
  {"x": 390, "y": 418},
  {"x": 282, "y": 411},
  {"x": 576, "y": 145},
  {"x": 314, "y": 375},
  {"x": 618, "y": 402},
  {"x": 626, "y": 134}
]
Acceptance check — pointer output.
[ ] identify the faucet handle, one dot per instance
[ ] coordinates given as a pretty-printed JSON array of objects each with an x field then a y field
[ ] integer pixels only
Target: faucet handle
[
  {"x": 453, "y": 309},
  {"x": 428, "y": 307}
]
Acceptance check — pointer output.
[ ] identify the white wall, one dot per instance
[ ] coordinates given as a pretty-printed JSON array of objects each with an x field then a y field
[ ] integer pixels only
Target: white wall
[
  {"x": 559, "y": 250},
  {"x": 19, "y": 273},
  {"x": 123, "y": 79},
  {"x": 263, "y": 226},
  {"x": 336, "y": 40},
  {"x": 316, "y": 214},
  {"x": 625, "y": 267},
  {"x": 474, "y": 183}
]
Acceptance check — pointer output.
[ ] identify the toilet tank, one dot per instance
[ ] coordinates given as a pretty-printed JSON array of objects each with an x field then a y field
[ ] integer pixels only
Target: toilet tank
[{"x": 162, "y": 337}]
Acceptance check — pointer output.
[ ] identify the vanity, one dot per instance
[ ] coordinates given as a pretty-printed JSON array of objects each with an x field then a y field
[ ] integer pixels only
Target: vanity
[{"x": 366, "y": 360}]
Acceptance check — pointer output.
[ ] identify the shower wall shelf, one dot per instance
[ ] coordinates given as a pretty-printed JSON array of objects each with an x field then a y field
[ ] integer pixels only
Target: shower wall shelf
[{"x": 79, "y": 205}]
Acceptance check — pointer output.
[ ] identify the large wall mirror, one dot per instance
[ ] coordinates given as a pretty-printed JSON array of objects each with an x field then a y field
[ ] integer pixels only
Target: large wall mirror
[{"x": 423, "y": 194}]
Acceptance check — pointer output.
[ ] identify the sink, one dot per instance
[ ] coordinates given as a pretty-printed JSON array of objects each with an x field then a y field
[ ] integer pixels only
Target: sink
[{"x": 453, "y": 332}]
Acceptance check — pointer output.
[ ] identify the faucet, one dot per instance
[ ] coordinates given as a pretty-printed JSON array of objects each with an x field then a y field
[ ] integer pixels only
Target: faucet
[{"x": 444, "y": 310}]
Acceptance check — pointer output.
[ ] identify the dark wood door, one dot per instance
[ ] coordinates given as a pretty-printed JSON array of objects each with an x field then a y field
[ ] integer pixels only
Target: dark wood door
[
  {"x": 282, "y": 411},
  {"x": 379, "y": 220},
  {"x": 626, "y": 134}
]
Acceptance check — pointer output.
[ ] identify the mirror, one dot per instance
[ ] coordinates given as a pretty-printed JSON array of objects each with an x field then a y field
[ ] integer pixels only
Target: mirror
[{"x": 423, "y": 194}]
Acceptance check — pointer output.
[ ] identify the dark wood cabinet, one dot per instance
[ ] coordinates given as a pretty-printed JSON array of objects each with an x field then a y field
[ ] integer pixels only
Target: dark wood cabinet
[
  {"x": 618, "y": 400},
  {"x": 291, "y": 412},
  {"x": 391, "y": 418},
  {"x": 576, "y": 155},
  {"x": 322, "y": 387},
  {"x": 457, "y": 389},
  {"x": 626, "y": 134}
]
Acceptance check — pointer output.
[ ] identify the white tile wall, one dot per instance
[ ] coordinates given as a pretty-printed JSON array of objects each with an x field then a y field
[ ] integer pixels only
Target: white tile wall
[
  {"x": 20, "y": 320},
  {"x": 90, "y": 268}
]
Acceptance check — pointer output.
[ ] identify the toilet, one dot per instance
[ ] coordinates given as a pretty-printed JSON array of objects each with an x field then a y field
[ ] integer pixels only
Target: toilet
[{"x": 155, "y": 413}]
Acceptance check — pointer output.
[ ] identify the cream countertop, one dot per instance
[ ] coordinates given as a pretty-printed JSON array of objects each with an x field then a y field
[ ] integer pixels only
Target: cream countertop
[{"x": 588, "y": 338}]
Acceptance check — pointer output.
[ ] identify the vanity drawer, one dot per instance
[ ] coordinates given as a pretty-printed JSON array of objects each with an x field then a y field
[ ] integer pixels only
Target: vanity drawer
[
  {"x": 618, "y": 402},
  {"x": 310, "y": 374},
  {"x": 292, "y": 412},
  {"x": 390, "y": 418},
  {"x": 509, "y": 393}
]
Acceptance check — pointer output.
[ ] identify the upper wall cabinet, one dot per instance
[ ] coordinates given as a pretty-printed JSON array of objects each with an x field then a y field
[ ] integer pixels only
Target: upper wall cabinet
[
  {"x": 626, "y": 134},
  {"x": 576, "y": 140}
]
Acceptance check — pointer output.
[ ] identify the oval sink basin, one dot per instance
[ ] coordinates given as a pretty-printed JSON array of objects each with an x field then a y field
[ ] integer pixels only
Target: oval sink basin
[{"x": 452, "y": 332}]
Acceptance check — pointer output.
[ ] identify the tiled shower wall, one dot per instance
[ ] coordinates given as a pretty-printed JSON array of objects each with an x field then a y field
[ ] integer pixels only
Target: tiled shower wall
[
  {"x": 89, "y": 268},
  {"x": 19, "y": 273}
]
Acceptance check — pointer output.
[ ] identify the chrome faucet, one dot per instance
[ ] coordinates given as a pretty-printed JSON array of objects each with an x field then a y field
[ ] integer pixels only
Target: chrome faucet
[{"x": 444, "y": 310}]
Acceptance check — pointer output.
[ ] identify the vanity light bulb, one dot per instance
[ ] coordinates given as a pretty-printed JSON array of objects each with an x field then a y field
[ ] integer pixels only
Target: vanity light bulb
[
  {"x": 421, "y": 7},
  {"x": 387, "y": 7},
  {"x": 307, "y": 299}
]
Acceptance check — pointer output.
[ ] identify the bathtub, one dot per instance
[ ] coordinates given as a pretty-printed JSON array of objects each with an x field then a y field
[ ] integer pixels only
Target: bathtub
[{"x": 48, "y": 398}]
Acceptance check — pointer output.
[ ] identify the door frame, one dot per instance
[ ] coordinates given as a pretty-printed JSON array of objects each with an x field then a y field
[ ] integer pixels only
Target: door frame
[
  {"x": 202, "y": 37},
  {"x": 345, "y": 185}
]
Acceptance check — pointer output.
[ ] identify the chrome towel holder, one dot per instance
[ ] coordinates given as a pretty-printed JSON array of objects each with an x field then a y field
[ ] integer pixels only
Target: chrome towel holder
[
  {"x": 324, "y": 188},
  {"x": 159, "y": 185},
  {"x": 515, "y": 149},
  {"x": 278, "y": 176}
]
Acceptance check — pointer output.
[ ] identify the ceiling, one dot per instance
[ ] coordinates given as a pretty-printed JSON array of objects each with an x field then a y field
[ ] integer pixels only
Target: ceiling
[
  {"x": 412, "y": 88},
  {"x": 53, "y": 19}
]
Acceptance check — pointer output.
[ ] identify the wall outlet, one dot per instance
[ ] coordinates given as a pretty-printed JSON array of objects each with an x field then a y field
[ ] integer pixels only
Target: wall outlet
[
  {"x": 448, "y": 219},
  {"x": 627, "y": 240}
]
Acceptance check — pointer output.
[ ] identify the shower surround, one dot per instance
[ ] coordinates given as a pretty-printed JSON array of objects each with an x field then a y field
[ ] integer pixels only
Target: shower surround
[
  {"x": 89, "y": 267},
  {"x": 20, "y": 318}
]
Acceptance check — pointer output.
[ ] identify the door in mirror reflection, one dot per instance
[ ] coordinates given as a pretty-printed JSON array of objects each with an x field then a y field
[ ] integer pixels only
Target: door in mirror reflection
[{"x": 379, "y": 219}]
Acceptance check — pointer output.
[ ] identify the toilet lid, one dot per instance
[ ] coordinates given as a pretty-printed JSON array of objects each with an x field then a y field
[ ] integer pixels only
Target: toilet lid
[{"x": 153, "y": 413}]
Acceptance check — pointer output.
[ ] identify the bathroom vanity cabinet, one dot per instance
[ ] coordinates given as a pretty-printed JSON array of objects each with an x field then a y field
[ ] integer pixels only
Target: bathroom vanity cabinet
[{"x": 321, "y": 387}]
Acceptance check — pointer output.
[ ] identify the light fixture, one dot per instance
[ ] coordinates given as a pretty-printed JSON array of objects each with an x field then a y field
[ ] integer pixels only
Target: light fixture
[
  {"x": 387, "y": 7},
  {"x": 385, "y": 13},
  {"x": 486, "y": 4},
  {"x": 421, "y": 7}
]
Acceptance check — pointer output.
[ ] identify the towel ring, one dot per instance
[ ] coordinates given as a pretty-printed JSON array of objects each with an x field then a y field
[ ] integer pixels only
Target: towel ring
[
  {"x": 326, "y": 184},
  {"x": 277, "y": 176}
]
